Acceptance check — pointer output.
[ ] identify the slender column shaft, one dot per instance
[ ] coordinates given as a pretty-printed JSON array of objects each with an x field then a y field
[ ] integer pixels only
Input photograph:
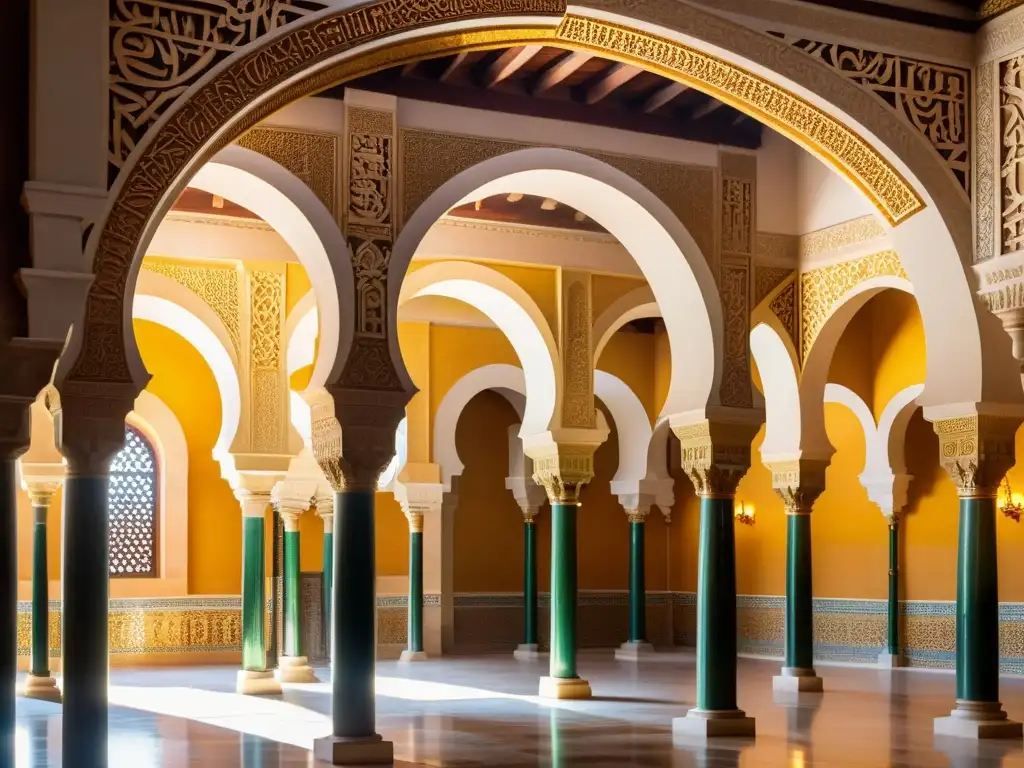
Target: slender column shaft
[
  {"x": 716, "y": 606},
  {"x": 40, "y": 661},
  {"x": 85, "y": 635},
  {"x": 328, "y": 579},
  {"x": 799, "y": 609},
  {"x": 893, "y": 633},
  {"x": 563, "y": 590},
  {"x": 416, "y": 587},
  {"x": 529, "y": 582},
  {"x": 354, "y": 648},
  {"x": 977, "y": 603},
  {"x": 254, "y": 647},
  {"x": 637, "y": 589},
  {"x": 9, "y": 596},
  {"x": 292, "y": 605}
]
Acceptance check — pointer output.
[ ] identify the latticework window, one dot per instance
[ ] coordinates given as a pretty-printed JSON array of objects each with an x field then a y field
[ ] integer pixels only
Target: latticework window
[{"x": 132, "y": 508}]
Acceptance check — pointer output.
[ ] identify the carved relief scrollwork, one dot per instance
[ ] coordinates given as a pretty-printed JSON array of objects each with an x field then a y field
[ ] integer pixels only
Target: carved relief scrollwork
[
  {"x": 767, "y": 279},
  {"x": 158, "y": 48},
  {"x": 735, "y": 389},
  {"x": 783, "y": 305},
  {"x": 578, "y": 408},
  {"x": 1011, "y": 128},
  {"x": 985, "y": 163},
  {"x": 266, "y": 295},
  {"x": 933, "y": 98},
  {"x": 217, "y": 286},
  {"x": 311, "y": 157},
  {"x": 737, "y": 216}
]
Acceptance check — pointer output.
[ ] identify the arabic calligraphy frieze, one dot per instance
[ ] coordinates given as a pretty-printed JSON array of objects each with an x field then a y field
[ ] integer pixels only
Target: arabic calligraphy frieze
[
  {"x": 933, "y": 98},
  {"x": 158, "y": 49}
]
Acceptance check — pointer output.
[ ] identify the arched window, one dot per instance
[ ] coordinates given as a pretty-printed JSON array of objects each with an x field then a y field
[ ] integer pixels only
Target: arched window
[{"x": 132, "y": 508}]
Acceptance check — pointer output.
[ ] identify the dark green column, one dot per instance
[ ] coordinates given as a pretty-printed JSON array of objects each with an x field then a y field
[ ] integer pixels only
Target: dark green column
[
  {"x": 292, "y": 612},
  {"x": 716, "y": 606},
  {"x": 9, "y": 597},
  {"x": 530, "y": 579},
  {"x": 328, "y": 577},
  {"x": 414, "y": 649},
  {"x": 563, "y": 590},
  {"x": 40, "y": 659},
  {"x": 84, "y": 643},
  {"x": 637, "y": 590},
  {"x": 893, "y": 629},
  {"x": 355, "y": 623},
  {"x": 799, "y": 610},
  {"x": 254, "y": 646},
  {"x": 977, "y": 603}
]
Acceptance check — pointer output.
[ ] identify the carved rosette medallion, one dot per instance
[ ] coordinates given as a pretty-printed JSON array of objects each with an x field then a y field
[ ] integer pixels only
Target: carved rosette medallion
[
  {"x": 977, "y": 451},
  {"x": 563, "y": 470},
  {"x": 715, "y": 455},
  {"x": 798, "y": 483}
]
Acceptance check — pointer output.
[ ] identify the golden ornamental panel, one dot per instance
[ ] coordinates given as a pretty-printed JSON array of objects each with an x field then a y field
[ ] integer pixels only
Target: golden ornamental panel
[
  {"x": 217, "y": 286},
  {"x": 931, "y": 633},
  {"x": 848, "y": 233},
  {"x": 767, "y": 279},
  {"x": 985, "y": 163},
  {"x": 578, "y": 402},
  {"x": 789, "y": 114},
  {"x": 850, "y": 630},
  {"x": 392, "y": 626},
  {"x": 736, "y": 385},
  {"x": 784, "y": 307},
  {"x": 311, "y": 157},
  {"x": 821, "y": 289}
]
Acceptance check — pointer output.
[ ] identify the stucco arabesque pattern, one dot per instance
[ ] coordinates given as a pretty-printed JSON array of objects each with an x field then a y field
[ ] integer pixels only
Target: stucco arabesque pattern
[
  {"x": 933, "y": 98},
  {"x": 1011, "y": 131},
  {"x": 217, "y": 286},
  {"x": 985, "y": 163},
  {"x": 578, "y": 407},
  {"x": 311, "y": 157},
  {"x": 159, "y": 48},
  {"x": 266, "y": 300},
  {"x": 821, "y": 289},
  {"x": 738, "y": 181}
]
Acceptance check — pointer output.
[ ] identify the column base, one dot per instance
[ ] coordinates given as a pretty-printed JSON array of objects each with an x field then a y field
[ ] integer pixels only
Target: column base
[
  {"x": 712, "y": 723},
  {"x": 797, "y": 680},
  {"x": 294, "y": 669},
  {"x": 564, "y": 688},
  {"x": 891, "y": 660},
  {"x": 372, "y": 750},
  {"x": 634, "y": 651},
  {"x": 978, "y": 720},
  {"x": 527, "y": 652},
  {"x": 41, "y": 688},
  {"x": 253, "y": 682},
  {"x": 413, "y": 656}
]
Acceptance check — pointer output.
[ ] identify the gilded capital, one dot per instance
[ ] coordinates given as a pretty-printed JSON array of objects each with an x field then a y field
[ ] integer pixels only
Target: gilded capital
[
  {"x": 798, "y": 483},
  {"x": 415, "y": 519},
  {"x": 563, "y": 469},
  {"x": 715, "y": 454},
  {"x": 637, "y": 515},
  {"x": 977, "y": 451},
  {"x": 530, "y": 512},
  {"x": 41, "y": 494}
]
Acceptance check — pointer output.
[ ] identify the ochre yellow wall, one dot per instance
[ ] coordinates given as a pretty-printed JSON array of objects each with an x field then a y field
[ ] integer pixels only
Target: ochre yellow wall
[{"x": 630, "y": 357}]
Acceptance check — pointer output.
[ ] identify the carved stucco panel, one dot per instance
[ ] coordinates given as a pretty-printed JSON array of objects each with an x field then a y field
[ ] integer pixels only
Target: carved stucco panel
[
  {"x": 311, "y": 157},
  {"x": 217, "y": 286}
]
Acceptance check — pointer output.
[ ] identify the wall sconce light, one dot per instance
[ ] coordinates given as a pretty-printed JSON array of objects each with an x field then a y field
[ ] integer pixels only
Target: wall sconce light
[
  {"x": 1010, "y": 504},
  {"x": 744, "y": 513}
]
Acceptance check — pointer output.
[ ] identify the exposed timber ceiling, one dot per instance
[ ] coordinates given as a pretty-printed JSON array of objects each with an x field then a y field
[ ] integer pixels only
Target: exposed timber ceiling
[
  {"x": 530, "y": 210},
  {"x": 544, "y": 81}
]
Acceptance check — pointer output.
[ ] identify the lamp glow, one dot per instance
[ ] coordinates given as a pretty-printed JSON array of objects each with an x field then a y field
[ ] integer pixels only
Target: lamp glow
[
  {"x": 744, "y": 513},
  {"x": 1010, "y": 504}
]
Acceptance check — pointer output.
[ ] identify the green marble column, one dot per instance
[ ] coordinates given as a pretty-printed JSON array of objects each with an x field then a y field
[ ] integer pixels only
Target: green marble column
[
  {"x": 977, "y": 603},
  {"x": 637, "y": 590},
  {"x": 354, "y": 650},
  {"x": 85, "y": 578},
  {"x": 798, "y": 673},
  {"x": 292, "y": 665},
  {"x": 254, "y": 677},
  {"x": 414, "y": 649},
  {"x": 893, "y": 629},
  {"x": 9, "y": 597},
  {"x": 328, "y": 571},
  {"x": 39, "y": 684},
  {"x": 530, "y": 642}
]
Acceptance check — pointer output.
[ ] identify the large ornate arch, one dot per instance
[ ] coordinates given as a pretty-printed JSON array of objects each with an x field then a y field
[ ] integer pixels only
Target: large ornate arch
[
  {"x": 881, "y": 155},
  {"x": 517, "y": 316},
  {"x": 662, "y": 247}
]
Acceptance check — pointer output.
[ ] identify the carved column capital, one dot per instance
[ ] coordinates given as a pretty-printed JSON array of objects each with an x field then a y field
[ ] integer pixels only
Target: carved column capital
[
  {"x": 715, "y": 454},
  {"x": 254, "y": 503},
  {"x": 88, "y": 422},
  {"x": 290, "y": 517},
  {"x": 638, "y": 515},
  {"x": 563, "y": 469},
  {"x": 977, "y": 450},
  {"x": 799, "y": 483},
  {"x": 415, "y": 520},
  {"x": 530, "y": 512},
  {"x": 40, "y": 494}
]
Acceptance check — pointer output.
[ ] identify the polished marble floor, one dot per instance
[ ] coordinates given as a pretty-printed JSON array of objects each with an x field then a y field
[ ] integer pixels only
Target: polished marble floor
[{"x": 482, "y": 711}]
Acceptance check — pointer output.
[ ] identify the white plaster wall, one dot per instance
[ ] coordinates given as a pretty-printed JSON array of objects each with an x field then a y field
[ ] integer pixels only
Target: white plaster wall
[
  {"x": 312, "y": 114},
  {"x": 777, "y": 206},
  {"x": 824, "y": 198},
  {"x": 200, "y": 240}
]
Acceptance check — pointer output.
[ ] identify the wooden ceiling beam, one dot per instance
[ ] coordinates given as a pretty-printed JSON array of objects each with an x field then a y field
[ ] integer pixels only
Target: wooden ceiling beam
[
  {"x": 706, "y": 109},
  {"x": 616, "y": 76},
  {"x": 559, "y": 70},
  {"x": 454, "y": 64},
  {"x": 663, "y": 96},
  {"x": 508, "y": 63}
]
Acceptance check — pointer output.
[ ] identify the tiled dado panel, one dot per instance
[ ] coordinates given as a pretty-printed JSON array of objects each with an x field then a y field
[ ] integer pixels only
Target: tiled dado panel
[
  {"x": 854, "y": 630},
  {"x": 488, "y": 622},
  {"x": 192, "y": 624}
]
